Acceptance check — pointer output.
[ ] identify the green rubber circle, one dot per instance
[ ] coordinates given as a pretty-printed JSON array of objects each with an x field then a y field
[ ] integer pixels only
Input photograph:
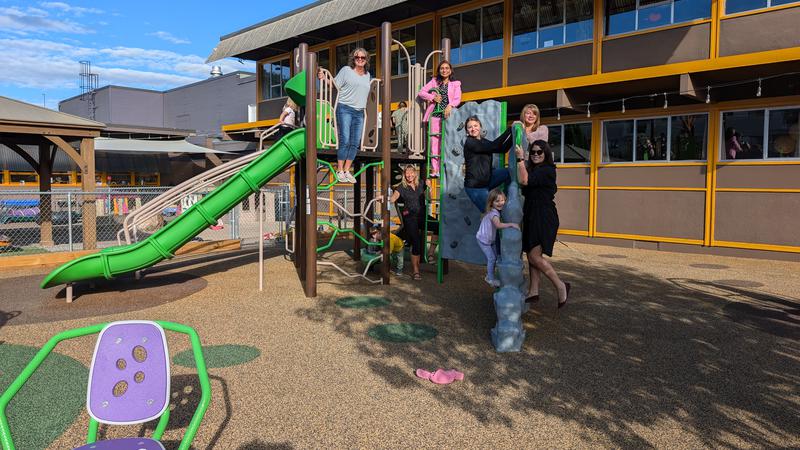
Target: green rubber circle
[
  {"x": 34, "y": 420},
  {"x": 219, "y": 356},
  {"x": 403, "y": 332},
  {"x": 362, "y": 301}
]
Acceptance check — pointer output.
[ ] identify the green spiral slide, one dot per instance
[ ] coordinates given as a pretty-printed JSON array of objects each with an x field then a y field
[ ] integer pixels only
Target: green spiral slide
[{"x": 114, "y": 261}]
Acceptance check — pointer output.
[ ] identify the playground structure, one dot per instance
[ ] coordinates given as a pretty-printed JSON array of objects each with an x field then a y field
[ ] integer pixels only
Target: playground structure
[{"x": 129, "y": 381}]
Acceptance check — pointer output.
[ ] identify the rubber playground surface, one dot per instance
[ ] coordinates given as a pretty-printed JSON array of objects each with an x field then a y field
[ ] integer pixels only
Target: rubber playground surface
[{"x": 654, "y": 349}]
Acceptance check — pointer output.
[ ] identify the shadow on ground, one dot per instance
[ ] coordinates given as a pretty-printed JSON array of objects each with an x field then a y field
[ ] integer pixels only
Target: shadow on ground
[{"x": 630, "y": 351}]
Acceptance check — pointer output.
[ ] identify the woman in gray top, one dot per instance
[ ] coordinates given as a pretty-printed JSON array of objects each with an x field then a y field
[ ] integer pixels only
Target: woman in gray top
[{"x": 352, "y": 83}]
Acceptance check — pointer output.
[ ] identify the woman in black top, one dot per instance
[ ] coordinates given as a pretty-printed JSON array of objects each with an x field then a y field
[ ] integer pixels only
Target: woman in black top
[
  {"x": 537, "y": 177},
  {"x": 413, "y": 211},
  {"x": 480, "y": 178}
]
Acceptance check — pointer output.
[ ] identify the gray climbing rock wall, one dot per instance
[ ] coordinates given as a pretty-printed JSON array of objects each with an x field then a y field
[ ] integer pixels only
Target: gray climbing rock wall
[{"x": 461, "y": 217}]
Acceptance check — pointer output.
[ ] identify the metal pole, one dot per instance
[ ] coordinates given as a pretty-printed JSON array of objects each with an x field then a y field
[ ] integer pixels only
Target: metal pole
[
  {"x": 446, "y": 49},
  {"x": 311, "y": 175},
  {"x": 69, "y": 219},
  {"x": 386, "y": 117},
  {"x": 261, "y": 242}
]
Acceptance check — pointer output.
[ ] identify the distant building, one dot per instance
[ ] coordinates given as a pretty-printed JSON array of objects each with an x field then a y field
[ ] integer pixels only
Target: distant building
[{"x": 195, "y": 113}]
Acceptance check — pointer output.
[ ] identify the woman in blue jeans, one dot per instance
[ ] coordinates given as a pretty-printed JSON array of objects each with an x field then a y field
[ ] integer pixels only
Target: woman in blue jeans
[
  {"x": 352, "y": 82},
  {"x": 479, "y": 178}
]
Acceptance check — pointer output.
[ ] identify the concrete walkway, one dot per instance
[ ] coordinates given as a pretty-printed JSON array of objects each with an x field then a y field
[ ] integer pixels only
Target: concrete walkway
[{"x": 655, "y": 349}]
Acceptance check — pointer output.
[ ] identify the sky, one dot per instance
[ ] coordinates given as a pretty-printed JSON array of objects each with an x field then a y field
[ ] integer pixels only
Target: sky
[{"x": 145, "y": 44}]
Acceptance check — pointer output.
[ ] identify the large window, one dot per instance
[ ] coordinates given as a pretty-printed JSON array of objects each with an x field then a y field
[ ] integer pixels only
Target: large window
[
  {"x": 548, "y": 23},
  {"x": 343, "y": 53},
  {"x": 273, "y": 76},
  {"x": 761, "y": 134},
  {"x": 571, "y": 143},
  {"x": 408, "y": 37},
  {"x": 673, "y": 138},
  {"x": 623, "y": 16},
  {"x": 475, "y": 35},
  {"x": 735, "y": 6},
  {"x": 324, "y": 59}
]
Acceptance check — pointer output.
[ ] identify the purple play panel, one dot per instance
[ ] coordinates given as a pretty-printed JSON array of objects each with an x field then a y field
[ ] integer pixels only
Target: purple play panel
[
  {"x": 129, "y": 378},
  {"x": 135, "y": 443}
]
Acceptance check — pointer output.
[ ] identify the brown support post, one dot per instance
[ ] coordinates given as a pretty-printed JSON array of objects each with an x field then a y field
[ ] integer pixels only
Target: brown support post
[
  {"x": 89, "y": 212},
  {"x": 356, "y": 212},
  {"x": 386, "y": 107},
  {"x": 445, "y": 50},
  {"x": 45, "y": 200},
  {"x": 310, "y": 208},
  {"x": 298, "y": 64}
]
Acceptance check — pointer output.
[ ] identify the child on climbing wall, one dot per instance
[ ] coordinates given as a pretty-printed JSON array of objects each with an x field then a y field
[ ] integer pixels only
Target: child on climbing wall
[
  {"x": 487, "y": 232},
  {"x": 396, "y": 248}
]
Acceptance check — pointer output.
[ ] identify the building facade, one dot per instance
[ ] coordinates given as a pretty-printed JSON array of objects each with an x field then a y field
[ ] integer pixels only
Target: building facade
[{"x": 676, "y": 123}]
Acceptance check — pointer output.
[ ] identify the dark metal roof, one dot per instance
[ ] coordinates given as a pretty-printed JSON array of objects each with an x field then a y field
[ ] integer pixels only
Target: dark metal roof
[
  {"x": 17, "y": 112},
  {"x": 294, "y": 24}
]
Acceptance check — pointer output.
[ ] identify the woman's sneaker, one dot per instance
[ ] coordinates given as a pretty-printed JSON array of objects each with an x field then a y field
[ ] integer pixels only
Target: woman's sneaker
[
  {"x": 343, "y": 177},
  {"x": 350, "y": 177}
]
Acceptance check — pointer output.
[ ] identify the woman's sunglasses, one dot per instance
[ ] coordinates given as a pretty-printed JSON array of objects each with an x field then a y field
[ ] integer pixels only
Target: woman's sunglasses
[
  {"x": 537, "y": 152},
  {"x": 360, "y": 58}
]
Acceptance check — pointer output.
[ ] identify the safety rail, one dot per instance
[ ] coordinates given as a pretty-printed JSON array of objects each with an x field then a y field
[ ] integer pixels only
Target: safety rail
[
  {"x": 326, "y": 107},
  {"x": 188, "y": 187}
]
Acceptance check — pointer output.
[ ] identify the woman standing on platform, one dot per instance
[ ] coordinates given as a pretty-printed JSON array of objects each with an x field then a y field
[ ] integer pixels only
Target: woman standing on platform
[
  {"x": 479, "y": 177},
  {"x": 352, "y": 82},
  {"x": 537, "y": 178},
  {"x": 531, "y": 121},
  {"x": 443, "y": 93},
  {"x": 413, "y": 211}
]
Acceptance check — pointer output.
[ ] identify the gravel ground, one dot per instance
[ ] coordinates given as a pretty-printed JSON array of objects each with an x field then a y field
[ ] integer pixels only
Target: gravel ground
[{"x": 655, "y": 349}]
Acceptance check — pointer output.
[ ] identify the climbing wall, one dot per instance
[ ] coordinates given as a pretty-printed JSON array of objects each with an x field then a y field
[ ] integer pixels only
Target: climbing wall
[{"x": 461, "y": 217}]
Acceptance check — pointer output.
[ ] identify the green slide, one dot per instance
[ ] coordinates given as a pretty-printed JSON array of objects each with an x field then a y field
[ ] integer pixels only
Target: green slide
[{"x": 114, "y": 261}]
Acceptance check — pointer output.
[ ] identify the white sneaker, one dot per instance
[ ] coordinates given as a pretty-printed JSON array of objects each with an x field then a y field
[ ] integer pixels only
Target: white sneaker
[
  {"x": 491, "y": 282},
  {"x": 350, "y": 177},
  {"x": 341, "y": 177}
]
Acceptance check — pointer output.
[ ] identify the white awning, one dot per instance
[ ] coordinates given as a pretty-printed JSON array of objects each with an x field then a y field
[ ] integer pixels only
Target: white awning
[{"x": 149, "y": 146}]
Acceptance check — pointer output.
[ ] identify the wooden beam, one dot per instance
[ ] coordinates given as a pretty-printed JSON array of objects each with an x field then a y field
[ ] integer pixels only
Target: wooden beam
[
  {"x": 22, "y": 153},
  {"x": 692, "y": 87},
  {"x": 567, "y": 100},
  {"x": 63, "y": 145},
  {"x": 27, "y": 129}
]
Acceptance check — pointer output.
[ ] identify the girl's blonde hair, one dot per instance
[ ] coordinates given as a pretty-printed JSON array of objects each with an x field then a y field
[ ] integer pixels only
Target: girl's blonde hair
[
  {"x": 493, "y": 196},
  {"x": 534, "y": 108},
  {"x": 406, "y": 169},
  {"x": 291, "y": 104}
]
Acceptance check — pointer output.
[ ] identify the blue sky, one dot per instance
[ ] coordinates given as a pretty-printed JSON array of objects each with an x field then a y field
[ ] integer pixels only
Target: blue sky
[{"x": 144, "y": 43}]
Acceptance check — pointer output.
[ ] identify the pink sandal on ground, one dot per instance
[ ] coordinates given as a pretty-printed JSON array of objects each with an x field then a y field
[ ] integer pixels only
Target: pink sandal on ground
[
  {"x": 424, "y": 374},
  {"x": 441, "y": 376}
]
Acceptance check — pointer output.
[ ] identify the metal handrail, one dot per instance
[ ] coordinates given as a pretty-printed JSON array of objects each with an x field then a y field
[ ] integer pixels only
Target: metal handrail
[
  {"x": 190, "y": 186},
  {"x": 325, "y": 97}
]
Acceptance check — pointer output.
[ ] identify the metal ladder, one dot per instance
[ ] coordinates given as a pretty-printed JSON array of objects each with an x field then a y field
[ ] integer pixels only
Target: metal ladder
[{"x": 433, "y": 209}]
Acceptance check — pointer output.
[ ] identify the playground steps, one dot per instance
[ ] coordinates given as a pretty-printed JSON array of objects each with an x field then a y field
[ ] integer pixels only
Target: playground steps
[{"x": 46, "y": 260}]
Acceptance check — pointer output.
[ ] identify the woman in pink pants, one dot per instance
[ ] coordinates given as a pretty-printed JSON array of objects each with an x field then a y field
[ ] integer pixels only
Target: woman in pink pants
[{"x": 443, "y": 93}]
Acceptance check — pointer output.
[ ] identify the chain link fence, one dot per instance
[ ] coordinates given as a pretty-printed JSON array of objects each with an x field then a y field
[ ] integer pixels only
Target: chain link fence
[{"x": 40, "y": 222}]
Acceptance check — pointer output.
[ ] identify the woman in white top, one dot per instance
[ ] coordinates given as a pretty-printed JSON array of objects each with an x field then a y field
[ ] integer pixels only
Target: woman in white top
[
  {"x": 352, "y": 83},
  {"x": 531, "y": 120}
]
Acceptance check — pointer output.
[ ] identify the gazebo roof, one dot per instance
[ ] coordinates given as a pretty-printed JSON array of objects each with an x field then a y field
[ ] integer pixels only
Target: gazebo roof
[{"x": 15, "y": 112}]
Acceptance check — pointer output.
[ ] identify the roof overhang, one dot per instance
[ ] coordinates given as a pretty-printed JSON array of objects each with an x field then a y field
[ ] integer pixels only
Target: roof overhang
[{"x": 102, "y": 144}]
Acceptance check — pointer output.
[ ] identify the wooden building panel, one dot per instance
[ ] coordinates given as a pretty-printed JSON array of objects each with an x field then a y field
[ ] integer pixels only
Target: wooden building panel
[
  {"x": 574, "y": 177},
  {"x": 770, "y": 30},
  {"x": 480, "y": 76},
  {"x": 668, "y": 46},
  {"x": 573, "y": 209},
  {"x": 659, "y": 176},
  {"x": 758, "y": 217},
  {"x": 552, "y": 64},
  {"x": 652, "y": 213},
  {"x": 759, "y": 177}
]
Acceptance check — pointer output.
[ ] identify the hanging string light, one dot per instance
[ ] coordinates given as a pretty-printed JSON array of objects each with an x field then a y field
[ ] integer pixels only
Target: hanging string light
[
  {"x": 758, "y": 91},
  {"x": 666, "y": 104},
  {"x": 589, "y": 109},
  {"x": 708, "y": 94},
  {"x": 623, "y": 106},
  {"x": 559, "y": 113}
]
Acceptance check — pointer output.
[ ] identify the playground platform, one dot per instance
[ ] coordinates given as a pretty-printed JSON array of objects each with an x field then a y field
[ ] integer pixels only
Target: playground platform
[{"x": 654, "y": 349}]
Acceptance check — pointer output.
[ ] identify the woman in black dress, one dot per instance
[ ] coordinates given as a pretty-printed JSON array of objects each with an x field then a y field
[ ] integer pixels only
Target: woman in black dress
[
  {"x": 537, "y": 178},
  {"x": 413, "y": 211}
]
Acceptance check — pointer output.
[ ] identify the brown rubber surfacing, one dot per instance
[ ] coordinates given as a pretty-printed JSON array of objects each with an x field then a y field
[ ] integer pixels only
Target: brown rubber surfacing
[{"x": 25, "y": 303}]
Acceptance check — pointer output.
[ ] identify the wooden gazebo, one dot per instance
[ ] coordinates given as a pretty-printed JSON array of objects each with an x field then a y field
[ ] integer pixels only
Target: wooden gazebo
[{"x": 23, "y": 124}]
